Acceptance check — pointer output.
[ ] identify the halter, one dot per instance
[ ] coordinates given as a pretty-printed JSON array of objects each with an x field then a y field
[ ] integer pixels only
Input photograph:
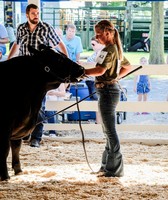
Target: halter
[{"x": 48, "y": 70}]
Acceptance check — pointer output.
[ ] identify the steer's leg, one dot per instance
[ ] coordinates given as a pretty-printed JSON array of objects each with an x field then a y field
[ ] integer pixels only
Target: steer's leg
[
  {"x": 4, "y": 151},
  {"x": 15, "y": 146}
]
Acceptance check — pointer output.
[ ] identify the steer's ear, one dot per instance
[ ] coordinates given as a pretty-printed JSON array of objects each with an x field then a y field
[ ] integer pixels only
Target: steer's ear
[{"x": 32, "y": 50}]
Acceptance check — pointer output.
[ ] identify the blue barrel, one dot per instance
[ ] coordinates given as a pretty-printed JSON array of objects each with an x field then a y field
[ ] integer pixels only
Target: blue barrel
[
  {"x": 82, "y": 92},
  {"x": 81, "y": 89}
]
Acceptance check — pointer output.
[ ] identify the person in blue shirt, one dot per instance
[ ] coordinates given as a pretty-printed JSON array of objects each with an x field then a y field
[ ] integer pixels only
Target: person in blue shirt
[
  {"x": 73, "y": 43},
  {"x": 3, "y": 39},
  {"x": 11, "y": 34}
]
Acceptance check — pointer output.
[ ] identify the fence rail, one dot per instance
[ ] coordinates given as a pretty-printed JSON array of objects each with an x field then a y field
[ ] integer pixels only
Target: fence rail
[{"x": 123, "y": 106}]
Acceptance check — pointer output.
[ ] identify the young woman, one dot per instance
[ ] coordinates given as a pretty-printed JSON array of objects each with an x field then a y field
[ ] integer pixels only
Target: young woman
[{"x": 110, "y": 67}]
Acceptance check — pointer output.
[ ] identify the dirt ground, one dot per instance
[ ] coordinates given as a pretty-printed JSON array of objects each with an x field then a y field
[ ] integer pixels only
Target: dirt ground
[{"x": 58, "y": 170}]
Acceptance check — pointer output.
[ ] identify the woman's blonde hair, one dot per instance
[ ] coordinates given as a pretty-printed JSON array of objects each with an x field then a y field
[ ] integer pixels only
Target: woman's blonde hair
[{"x": 106, "y": 25}]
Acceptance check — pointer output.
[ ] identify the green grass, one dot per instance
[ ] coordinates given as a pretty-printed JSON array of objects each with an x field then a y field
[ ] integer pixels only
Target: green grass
[{"x": 133, "y": 57}]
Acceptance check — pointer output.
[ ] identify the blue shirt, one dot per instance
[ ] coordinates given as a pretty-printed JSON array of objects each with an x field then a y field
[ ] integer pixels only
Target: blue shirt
[
  {"x": 11, "y": 33},
  {"x": 74, "y": 46},
  {"x": 3, "y": 34}
]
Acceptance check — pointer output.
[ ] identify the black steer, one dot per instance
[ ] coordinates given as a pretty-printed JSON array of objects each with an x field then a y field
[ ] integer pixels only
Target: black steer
[{"x": 28, "y": 78}]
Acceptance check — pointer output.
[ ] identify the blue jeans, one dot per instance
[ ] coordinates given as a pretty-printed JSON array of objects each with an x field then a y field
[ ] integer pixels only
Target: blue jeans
[
  {"x": 51, "y": 119},
  {"x": 108, "y": 98},
  {"x": 38, "y": 131},
  {"x": 91, "y": 88}
]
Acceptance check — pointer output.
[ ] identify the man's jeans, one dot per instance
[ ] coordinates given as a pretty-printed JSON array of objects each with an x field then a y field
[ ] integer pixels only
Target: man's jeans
[{"x": 38, "y": 131}]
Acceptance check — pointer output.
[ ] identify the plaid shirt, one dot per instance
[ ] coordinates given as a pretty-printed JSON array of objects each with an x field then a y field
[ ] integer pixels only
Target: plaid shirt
[{"x": 43, "y": 34}]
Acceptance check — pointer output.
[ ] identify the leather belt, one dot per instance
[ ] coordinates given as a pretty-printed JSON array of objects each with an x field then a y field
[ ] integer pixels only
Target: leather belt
[{"x": 105, "y": 83}]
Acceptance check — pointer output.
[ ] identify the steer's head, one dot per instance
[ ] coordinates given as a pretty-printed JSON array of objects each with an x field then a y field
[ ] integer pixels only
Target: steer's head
[{"x": 58, "y": 65}]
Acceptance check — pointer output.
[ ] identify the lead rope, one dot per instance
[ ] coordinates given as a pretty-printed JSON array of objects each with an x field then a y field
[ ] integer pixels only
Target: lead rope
[{"x": 81, "y": 129}]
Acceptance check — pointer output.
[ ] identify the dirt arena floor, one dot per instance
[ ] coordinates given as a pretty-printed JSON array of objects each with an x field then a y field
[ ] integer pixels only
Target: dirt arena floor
[{"x": 58, "y": 170}]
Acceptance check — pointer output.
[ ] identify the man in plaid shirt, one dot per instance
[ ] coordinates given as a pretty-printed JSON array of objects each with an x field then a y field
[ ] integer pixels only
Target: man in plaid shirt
[{"x": 35, "y": 32}]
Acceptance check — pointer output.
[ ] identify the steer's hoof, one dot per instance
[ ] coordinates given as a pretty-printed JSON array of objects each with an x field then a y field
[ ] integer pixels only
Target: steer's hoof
[
  {"x": 18, "y": 172},
  {"x": 4, "y": 178}
]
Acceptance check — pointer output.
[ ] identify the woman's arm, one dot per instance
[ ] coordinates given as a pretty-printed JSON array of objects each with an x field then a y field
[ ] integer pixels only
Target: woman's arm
[
  {"x": 97, "y": 71},
  {"x": 125, "y": 69}
]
